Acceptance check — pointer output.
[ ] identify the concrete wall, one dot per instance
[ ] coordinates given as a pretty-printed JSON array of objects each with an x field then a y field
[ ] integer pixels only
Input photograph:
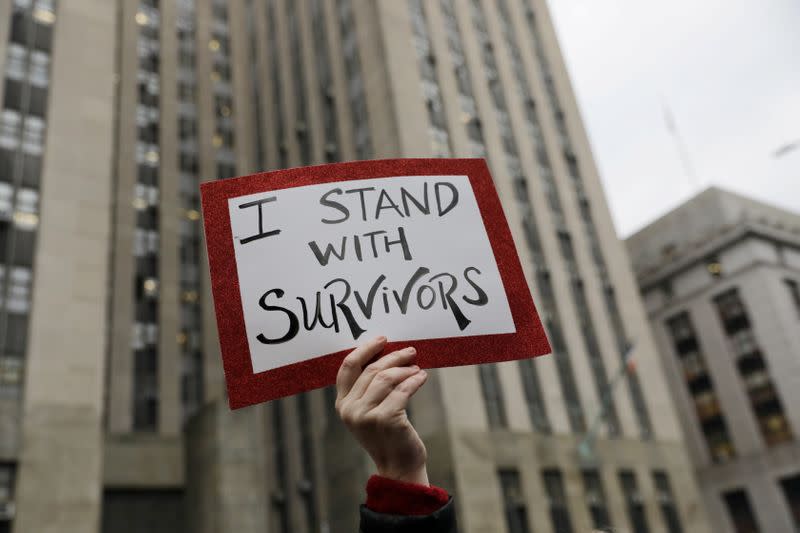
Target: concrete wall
[{"x": 225, "y": 471}]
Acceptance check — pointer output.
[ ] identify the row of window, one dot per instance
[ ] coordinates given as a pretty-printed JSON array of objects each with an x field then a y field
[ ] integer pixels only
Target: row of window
[
  {"x": 701, "y": 388},
  {"x": 752, "y": 369},
  {"x": 307, "y": 486},
  {"x": 636, "y": 394},
  {"x": 594, "y": 497},
  {"x": 189, "y": 338},
  {"x": 550, "y": 311},
  {"x": 221, "y": 76},
  {"x": 355, "y": 80},
  {"x": 256, "y": 88},
  {"x": 145, "y": 203},
  {"x": 431, "y": 91},
  {"x": 22, "y": 132}
]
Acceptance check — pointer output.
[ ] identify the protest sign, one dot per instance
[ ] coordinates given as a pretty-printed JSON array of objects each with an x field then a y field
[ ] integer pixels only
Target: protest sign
[{"x": 308, "y": 262}]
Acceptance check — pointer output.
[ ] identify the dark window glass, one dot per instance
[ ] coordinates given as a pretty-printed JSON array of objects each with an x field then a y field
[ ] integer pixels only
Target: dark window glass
[
  {"x": 279, "y": 457},
  {"x": 37, "y": 105},
  {"x": 557, "y": 498},
  {"x": 16, "y": 335},
  {"x": 307, "y": 486},
  {"x": 533, "y": 395},
  {"x": 596, "y": 499},
  {"x": 23, "y": 247},
  {"x": 148, "y": 175},
  {"x": 6, "y": 165},
  {"x": 20, "y": 28},
  {"x": 31, "y": 170},
  {"x": 5, "y": 230},
  {"x": 225, "y": 170},
  {"x": 514, "y": 502},
  {"x": 492, "y": 396},
  {"x": 634, "y": 502},
  {"x": 8, "y": 473},
  {"x": 700, "y": 386},
  {"x": 666, "y": 501},
  {"x": 44, "y": 37},
  {"x": 12, "y": 97},
  {"x": 740, "y": 512},
  {"x": 794, "y": 291},
  {"x": 791, "y": 490},
  {"x": 145, "y": 405}
]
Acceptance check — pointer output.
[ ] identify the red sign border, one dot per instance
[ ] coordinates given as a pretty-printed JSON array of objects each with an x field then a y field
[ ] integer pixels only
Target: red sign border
[{"x": 246, "y": 388}]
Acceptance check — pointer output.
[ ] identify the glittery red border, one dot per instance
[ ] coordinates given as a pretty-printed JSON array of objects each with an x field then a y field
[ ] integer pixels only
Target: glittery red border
[{"x": 246, "y": 388}]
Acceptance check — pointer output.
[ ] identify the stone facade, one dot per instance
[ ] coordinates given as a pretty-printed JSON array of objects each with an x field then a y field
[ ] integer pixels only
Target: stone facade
[{"x": 716, "y": 243}]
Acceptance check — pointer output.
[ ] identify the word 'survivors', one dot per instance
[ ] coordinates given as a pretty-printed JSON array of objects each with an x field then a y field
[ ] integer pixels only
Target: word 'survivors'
[{"x": 372, "y": 253}]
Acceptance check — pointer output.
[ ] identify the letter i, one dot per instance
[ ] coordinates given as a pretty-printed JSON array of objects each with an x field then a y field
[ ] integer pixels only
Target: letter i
[
  {"x": 386, "y": 299},
  {"x": 357, "y": 245}
]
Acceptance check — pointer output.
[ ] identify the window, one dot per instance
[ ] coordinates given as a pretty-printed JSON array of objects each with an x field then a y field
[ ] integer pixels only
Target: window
[
  {"x": 743, "y": 343},
  {"x": 718, "y": 439},
  {"x": 634, "y": 502},
  {"x": 740, "y": 512},
  {"x": 557, "y": 498},
  {"x": 492, "y": 396},
  {"x": 564, "y": 366},
  {"x": 7, "y": 475},
  {"x": 596, "y": 499},
  {"x": 533, "y": 395},
  {"x": 307, "y": 485},
  {"x": 513, "y": 501},
  {"x": 24, "y": 241},
  {"x": 714, "y": 267},
  {"x": 279, "y": 458},
  {"x": 666, "y": 501},
  {"x": 145, "y": 405},
  {"x": 794, "y": 291},
  {"x": 5, "y": 228},
  {"x": 791, "y": 490},
  {"x": 16, "y": 335},
  {"x": 31, "y": 170},
  {"x": 731, "y": 310}
]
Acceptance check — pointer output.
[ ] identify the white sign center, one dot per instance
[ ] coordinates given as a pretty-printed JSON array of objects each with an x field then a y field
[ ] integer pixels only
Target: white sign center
[{"x": 324, "y": 267}]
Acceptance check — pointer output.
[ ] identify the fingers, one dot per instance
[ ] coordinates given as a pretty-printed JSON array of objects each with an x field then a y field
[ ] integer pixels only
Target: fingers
[
  {"x": 399, "y": 358},
  {"x": 384, "y": 382},
  {"x": 353, "y": 365},
  {"x": 397, "y": 400}
]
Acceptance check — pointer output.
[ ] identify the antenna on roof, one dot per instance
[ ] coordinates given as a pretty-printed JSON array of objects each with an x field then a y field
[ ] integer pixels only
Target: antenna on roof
[{"x": 686, "y": 160}]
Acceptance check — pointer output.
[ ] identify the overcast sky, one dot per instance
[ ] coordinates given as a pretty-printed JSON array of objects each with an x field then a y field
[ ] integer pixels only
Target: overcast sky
[{"x": 728, "y": 69}]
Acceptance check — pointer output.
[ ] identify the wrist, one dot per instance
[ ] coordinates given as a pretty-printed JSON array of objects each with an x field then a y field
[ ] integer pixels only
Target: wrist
[{"x": 418, "y": 476}]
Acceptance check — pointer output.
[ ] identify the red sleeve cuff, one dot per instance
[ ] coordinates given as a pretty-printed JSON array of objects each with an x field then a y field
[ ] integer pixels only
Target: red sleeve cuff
[{"x": 389, "y": 496}]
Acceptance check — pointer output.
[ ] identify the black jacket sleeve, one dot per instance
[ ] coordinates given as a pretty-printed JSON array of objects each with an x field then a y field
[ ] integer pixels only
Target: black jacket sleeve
[{"x": 441, "y": 521}]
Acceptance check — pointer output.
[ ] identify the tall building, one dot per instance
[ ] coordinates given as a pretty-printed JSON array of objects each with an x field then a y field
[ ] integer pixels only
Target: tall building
[
  {"x": 720, "y": 277},
  {"x": 112, "y": 411}
]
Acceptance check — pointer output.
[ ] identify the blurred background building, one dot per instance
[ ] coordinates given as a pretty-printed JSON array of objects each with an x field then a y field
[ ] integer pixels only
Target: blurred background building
[
  {"x": 112, "y": 408},
  {"x": 720, "y": 276}
]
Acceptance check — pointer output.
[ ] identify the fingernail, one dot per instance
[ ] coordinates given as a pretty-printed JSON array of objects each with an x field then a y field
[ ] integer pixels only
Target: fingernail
[
  {"x": 411, "y": 350},
  {"x": 380, "y": 339},
  {"x": 422, "y": 373},
  {"x": 414, "y": 367}
]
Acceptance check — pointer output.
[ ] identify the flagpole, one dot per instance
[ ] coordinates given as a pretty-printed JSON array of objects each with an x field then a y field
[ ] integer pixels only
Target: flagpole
[
  {"x": 585, "y": 451},
  {"x": 683, "y": 152}
]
